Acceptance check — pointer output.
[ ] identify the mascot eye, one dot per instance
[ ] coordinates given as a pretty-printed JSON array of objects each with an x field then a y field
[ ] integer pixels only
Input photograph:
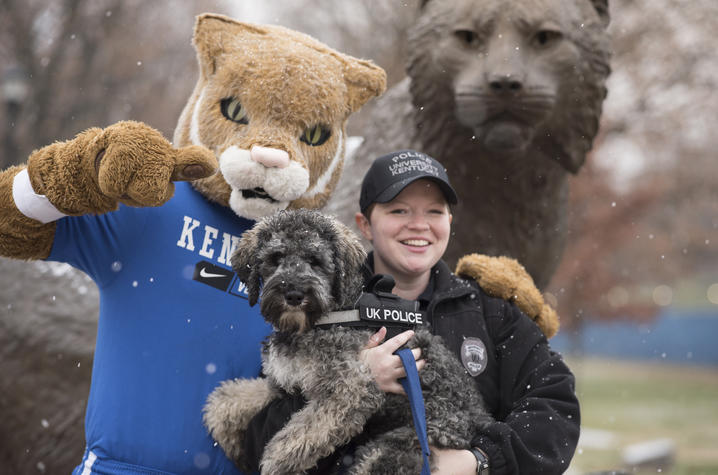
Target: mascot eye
[
  {"x": 233, "y": 110},
  {"x": 547, "y": 37},
  {"x": 316, "y": 135},
  {"x": 467, "y": 37}
]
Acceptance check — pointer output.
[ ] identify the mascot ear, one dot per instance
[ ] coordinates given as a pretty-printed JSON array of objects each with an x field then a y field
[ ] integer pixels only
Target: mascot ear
[
  {"x": 349, "y": 257},
  {"x": 364, "y": 80},
  {"x": 245, "y": 264},
  {"x": 211, "y": 32},
  {"x": 253, "y": 285}
]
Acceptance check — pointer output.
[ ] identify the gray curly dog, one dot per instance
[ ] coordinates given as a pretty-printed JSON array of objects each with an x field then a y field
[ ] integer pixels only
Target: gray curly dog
[{"x": 306, "y": 265}]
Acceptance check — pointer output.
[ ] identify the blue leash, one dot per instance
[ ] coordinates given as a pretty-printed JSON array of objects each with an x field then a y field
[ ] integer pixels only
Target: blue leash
[{"x": 413, "y": 390}]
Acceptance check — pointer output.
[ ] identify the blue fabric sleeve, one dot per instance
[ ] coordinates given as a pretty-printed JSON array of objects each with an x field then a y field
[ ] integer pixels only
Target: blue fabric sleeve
[{"x": 95, "y": 243}]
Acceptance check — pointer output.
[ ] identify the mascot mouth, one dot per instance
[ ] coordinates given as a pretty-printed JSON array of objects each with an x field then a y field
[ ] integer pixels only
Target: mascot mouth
[{"x": 257, "y": 193}]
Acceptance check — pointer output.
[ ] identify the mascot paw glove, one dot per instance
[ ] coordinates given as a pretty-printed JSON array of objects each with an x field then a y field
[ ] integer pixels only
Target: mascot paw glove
[{"x": 127, "y": 162}]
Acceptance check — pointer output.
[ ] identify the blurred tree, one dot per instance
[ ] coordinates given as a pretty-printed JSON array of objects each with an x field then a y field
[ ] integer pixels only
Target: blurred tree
[
  {"x": 92, "y": 63},
  {"x": 644, "y": 212},
  {"x": 592, "y": 279}
]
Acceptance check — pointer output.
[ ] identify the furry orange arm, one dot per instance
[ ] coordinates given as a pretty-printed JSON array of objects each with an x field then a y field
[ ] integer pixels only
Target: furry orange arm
[
  {"x": 127, "y": 162},
  {"x": 505, "y": 278}
]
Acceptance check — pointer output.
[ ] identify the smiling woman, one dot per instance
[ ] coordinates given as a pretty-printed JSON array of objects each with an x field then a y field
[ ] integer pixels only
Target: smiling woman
[
  {"x": 409, "y": 235},
  {"x": 405, "y": 214}
]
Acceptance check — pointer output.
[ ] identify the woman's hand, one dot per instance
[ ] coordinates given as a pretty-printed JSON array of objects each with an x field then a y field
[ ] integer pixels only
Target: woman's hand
[
  {"x": 384, "y": 364},
  {"x": 453, "y": 462}
]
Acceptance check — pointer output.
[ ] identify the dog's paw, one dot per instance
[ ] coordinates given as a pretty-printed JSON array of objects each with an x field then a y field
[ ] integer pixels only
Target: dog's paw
[{"x": 229, "y": 409}]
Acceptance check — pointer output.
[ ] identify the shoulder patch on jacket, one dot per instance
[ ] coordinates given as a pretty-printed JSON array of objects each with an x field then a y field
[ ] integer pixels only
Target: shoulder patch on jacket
[{"x": 473, "y": 356}]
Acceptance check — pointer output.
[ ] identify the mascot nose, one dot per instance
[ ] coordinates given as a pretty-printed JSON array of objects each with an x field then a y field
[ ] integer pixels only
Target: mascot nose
[
  {"x": 294, "y": 297},
  {"x": 269, "y": 157}
]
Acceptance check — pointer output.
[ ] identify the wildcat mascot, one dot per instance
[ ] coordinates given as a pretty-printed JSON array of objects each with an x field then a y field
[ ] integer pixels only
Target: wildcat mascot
[
  {"x": 269, "y": 110},
  {"x": 263, "y": 130}
]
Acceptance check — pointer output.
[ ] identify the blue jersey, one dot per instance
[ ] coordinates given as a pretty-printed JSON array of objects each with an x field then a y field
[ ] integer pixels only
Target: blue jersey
[{"x": 174, "y": 322}]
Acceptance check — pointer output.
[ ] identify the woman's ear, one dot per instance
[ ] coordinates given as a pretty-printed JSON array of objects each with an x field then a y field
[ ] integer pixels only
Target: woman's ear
[{"x": 364, "y": 225}]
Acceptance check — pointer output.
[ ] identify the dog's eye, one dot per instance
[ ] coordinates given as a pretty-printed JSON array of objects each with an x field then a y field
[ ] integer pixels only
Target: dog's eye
[
  {"x": 316, "y": 135},
  {"x": 274, "y": 259},
  {"x": 546, "y": 37},
  {"x": 316, "y": 263},
  {"x": 233, "y": 110},
  {"x": 467, "y": 37}
]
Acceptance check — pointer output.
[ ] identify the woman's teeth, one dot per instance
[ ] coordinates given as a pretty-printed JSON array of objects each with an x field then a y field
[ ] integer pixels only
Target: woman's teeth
[{"x": 416, "y": 242}]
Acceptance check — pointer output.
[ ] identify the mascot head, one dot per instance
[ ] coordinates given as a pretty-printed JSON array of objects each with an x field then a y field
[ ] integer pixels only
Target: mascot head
[{"x": 272, "y": 104}]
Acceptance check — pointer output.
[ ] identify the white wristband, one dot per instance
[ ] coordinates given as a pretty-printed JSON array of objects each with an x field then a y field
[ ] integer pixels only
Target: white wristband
[{"x": 32, "y": 205}]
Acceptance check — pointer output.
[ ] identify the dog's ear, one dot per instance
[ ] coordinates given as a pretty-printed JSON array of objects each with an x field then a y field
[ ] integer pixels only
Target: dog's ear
[
  {"x": 245, "y": 263},
  {"x": 349, "y": 256}
]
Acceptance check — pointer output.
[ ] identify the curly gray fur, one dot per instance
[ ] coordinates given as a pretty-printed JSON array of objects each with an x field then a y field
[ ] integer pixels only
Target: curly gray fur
[{"x": 306, "y": 252}]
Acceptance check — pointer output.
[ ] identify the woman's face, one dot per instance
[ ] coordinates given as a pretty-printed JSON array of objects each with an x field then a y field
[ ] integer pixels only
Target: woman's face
[{"x": 410, "y": 233}]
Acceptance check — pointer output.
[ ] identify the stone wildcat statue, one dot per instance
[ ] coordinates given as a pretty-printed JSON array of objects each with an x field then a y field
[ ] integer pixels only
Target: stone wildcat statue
[
  {"x": 508, "y": 95},
  {"x": 270, "y": 108}
]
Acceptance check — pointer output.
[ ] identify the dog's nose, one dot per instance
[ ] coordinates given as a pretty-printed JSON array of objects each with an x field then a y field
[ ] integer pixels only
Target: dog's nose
[{"x": 294, "y": 297}]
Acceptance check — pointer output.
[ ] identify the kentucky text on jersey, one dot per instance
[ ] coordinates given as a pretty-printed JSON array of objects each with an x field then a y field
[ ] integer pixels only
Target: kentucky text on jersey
[
  {"x": 206, "y": 272},
  {"x": 208, "y": 236}
]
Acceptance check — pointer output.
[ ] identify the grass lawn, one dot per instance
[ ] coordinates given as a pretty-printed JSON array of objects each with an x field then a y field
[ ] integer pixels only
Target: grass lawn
[{"x": 633, "y": 402}]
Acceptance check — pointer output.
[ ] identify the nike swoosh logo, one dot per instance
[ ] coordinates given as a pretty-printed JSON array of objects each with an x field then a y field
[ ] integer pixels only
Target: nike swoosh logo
[{"x": 203, "y": 273}]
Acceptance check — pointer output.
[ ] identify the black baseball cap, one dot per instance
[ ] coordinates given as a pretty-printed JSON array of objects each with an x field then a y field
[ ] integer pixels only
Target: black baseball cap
[{"x": 391, "y": 173}]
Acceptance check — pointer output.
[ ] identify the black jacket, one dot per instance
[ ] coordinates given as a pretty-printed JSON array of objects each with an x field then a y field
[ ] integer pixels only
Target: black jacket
[{"x": 525, "y": 385}]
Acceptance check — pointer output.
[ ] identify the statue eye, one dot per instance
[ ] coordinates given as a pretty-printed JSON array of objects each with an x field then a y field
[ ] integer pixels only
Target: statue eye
[
  {"x": 316, "y": 135},
  {"x": 467, "y": 37},
  {"x": 233, "y": 110},
  {"x": 547, "y": 37}
]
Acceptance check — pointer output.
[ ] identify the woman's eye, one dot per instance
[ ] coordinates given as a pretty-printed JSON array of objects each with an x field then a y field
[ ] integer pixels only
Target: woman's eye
[
  {"x": 233, "y": 110},
  {"x": 316, "y": 135},
  {"x": 398, "y": 211}
]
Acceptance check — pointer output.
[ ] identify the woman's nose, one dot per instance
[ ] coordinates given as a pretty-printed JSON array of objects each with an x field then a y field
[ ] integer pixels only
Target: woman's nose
[{"x": 418, "y": 221}]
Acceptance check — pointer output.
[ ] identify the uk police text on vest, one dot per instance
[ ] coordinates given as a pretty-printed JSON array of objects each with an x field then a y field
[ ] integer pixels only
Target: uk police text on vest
[{"x": 391, "y": 315}]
